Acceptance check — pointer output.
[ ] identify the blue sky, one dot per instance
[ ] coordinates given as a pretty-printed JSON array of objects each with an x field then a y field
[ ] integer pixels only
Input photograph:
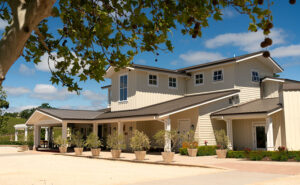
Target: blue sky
[{"x": 28, "y": 85}]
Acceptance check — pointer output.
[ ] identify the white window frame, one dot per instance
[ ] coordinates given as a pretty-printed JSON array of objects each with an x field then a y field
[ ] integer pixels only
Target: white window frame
[
  {"x": 254, "y": 125},
  {"x": 254, "y": 70},
  {"x": 119, "y": 87},
  {"x": 157, "y": 79},
  {"x": 195, "y": 84},
  {"x": 219, "y": 81},
  {"x": 170, "y": 87}
]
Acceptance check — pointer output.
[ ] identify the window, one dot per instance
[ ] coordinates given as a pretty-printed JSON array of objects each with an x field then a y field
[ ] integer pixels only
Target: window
[
  {"x": 199, "y": 79},
  {"x": 153, "y": 80},
  {"x": 123, "y": 88},
  {"x": 218, "y": 75},
  {"x": 255, "y": 76},
  {"x": 172, "y": 82}
]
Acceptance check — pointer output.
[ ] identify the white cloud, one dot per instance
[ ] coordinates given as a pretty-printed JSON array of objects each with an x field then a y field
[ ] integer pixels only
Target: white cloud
[
  {"x": 21, "y": 108},
  {"x": 141, "y": 61},
  {"x": 90, "y": 95},
  {"x": 3, "y": 24},
  {"x": 16, "y": 91},
  {"x": 198, "y": 57},
  {"x": 247, "y": 41},
  {"x": 228, "y": 13},
  {"x": 286, "y": 51},
  {"x": 49, "y": 92},
  {"x": 26, "y": 70},
  {"x": 44, "y": 66},
  {"x": 174, "y": 63}
]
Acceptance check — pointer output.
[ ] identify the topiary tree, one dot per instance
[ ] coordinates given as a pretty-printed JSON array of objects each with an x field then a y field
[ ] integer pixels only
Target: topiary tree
[
  {"x": 77, "y": 139},
  {"x": 221, "y": 139},
  {"x": 116, "y": 141},
  {"x": 92, "y": 141},
  {"x": 139, "y": 141},
  {"x": 60, "y": 141},
  {"x": 97, "y": 33},
  {"x": 173, "y": 135}
]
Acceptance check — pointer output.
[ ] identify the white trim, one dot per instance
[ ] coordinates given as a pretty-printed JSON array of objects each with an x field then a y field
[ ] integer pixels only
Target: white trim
[
  {"x": 254, "y": 125},
  {"x": 275, "y": 111},
  {"x": 157, "y": 79},
  {"x": 251, "y": 76},
  {"x": 280, "y": 69},
  {"x": 210, "y": 66},
  {"x": 45, "y": 115},
  {"x": 170, "y": 76},
  {"x": 247, "y": 58},
  {"x": 207, "y": 92},
  {"x": 196, "y": 85},
  {"x": 119, "y": 97},
  {"x": 138, "y": 118},
  {"x": 272, "y": 79},
  {"x": 223, "y": 76},
  {"x": 197, "y": 105}
]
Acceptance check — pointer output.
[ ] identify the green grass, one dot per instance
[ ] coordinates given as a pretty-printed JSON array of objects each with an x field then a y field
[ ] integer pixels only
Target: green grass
[{"x": 13, "y": 121}]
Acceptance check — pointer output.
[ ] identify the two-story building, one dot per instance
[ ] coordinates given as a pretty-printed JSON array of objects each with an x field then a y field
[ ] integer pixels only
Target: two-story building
[{"x": 239, "y": 94}]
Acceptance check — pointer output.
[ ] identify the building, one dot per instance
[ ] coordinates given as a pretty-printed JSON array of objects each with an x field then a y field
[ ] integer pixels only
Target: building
[{"x": 240, "y": 95}]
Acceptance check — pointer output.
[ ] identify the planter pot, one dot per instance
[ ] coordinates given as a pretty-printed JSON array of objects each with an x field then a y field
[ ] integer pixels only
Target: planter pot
[
  {"x": 221, "y": 153},
  {"x": 140, "y": 155},
  {"x": 168, "y": 156},
  {"x": 78, "y": 151},
  {"x": 23, "y": 148},
  {"x": 63, "y": 149},
  {"x": 115, "y": 153},
  {"x": 192, "y": 152},
  {"x": 95, "y": 152}
]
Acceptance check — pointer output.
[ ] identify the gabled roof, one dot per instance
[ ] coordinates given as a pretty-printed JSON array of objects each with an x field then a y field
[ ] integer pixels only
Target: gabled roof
[
  {"x": 259, "y": 106},
  {"x": 288, "y": 84}
]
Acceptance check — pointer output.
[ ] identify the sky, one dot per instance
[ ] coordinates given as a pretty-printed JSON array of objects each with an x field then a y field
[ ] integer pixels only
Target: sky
[{"x": 28, "y": 85}]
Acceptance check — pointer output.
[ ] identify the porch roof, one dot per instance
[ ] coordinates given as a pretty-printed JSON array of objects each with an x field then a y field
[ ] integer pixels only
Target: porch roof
[{"x": 258, "y": 106}]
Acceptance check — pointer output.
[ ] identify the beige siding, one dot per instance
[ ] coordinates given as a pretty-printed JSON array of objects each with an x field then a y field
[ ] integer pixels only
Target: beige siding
[
  {"x": 243, "y": 78},
  {"x": 209, "y": 85},
  {"x": 291, "y": 101},
  {"x": 207, "y": 126},
  {"x": 271, "y": 89},
  {"x": 278, "y": 129}
]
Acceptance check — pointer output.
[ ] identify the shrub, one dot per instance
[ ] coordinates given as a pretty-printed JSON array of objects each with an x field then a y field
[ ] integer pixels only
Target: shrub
[
  {"x": 281, "y": 148},
  {"x": 77, "y": 139},
  {"x": 221, "y": 139},
  {"x": 297, "y": 158},
  {"x": 189, "y": 140},
  {"x": 139, "y": 141},
  {"x": 236, "y": 154},
  {"x": 92, "y": 141},
  {"x": 256, "y": 155},
  {"x": 3, "y": 142},
  {"x": 206, "y": 150},
  {"x": 173, "y": 135},
  {"x": 30, "y": 139},
  {"x": 279, "y": 156},
  {"x": 116, "y": 141},
  {"x": 183, "y": 151},
  {"x": 60, "y": 141}
]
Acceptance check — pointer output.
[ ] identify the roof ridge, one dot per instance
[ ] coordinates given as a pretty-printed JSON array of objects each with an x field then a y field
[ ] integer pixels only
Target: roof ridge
[{"x": 39, "y": 108}]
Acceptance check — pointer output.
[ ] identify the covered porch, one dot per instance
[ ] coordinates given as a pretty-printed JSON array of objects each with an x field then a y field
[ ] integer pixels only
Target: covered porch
[{"x": 258, "y": 125}]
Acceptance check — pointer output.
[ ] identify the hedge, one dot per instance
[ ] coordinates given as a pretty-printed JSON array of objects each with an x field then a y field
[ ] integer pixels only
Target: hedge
[
  {"x": 236, "y": 154},
  {"x": 202, "y": 151},
  {"x": 260, "y": 155},
  {"x": 12, "y": 143}
]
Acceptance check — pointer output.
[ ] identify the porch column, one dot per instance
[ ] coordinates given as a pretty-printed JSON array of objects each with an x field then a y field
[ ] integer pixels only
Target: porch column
[
  {"x": 269, "y": 133},
  {"x": 120, "y": 128},
  {"x": 46, "y": 133},
  {"x": 16, "y": 135},
  {"x": 26, "y": 134},
  {"x": 229, "y": 133},
  {"x": 95, "y": 128},
  {"x": 37, "y": 136},
  {"x": 64, "y": 130},
  {"x": 167, "y": 124}
]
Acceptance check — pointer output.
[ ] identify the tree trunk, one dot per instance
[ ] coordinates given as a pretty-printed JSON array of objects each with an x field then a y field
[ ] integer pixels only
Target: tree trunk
[{"x": 25, "y": 19}]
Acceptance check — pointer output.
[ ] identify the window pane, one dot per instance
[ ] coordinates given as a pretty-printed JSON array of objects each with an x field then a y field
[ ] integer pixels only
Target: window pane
[{"x": 125, "y": 94}]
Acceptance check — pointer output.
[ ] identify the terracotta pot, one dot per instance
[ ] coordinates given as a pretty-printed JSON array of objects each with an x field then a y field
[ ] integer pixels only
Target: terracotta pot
[
  {"x": 63, "y": 149},
  {"x": 23, "y": 148},
  {"x": 221, "y": 153},
  {"x": 115, "y": 153},
  {"x": 168, "y": 156},
  {"x": 78, "y": 151},
  {"x": 95, "y": 152},
  {"x": 140, "y": 155},
  {"x": 192, "y": 152}
]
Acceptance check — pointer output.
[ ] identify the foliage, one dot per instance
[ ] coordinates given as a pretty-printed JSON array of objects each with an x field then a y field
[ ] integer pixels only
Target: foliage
[
  {"x": 3, "y": 105},
  {"x": 60, "y": 141},
  {"x": 139, "y": 141},
  {"x": 28, "y": 112},
  {"x": 202, "y": 151},
  {"x": 183, "y": 151},
  {"x": 279, "y": 156},
  {"x": 189, "y": 140},
  {"x": 236, "y": 154},
  {"x": 92, "y": 141},
  {"x": 173, "y": 135},
  {"x": 30, "y": 139},
  {"x": 281, "y": 148},
  {"x": 256, "y": 155},
  {"x": 98, "y": 33},
  {"x": 116, "y": 141},
  {"x": 77, "y": 139},
  {"x": 221, "y": 138},
  {"x": 4, "y": 142}
]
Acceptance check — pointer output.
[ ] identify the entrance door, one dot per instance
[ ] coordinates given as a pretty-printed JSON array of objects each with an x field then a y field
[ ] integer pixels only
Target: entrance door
[
  {"x": 259, "y": 136},
  {"x": 100, "y": 132}
]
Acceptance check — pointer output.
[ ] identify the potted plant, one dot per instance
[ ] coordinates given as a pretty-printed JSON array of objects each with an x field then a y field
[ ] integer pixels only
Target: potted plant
[
  {"x": 78, "y": 142},
  {"x": 62, "y": 143},
  {"x": 192, "y": 145},
  {"x": 161, "y": 136},
  {"x": 116, "y": 143},
  {"x": 94, "y": 144},
  {"x": 139, "y": 143},
  {"x": 222, "y": 143}
]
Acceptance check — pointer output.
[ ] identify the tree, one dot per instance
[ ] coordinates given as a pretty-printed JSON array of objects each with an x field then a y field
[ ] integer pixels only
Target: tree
[
  {"x": 98, "y": 33},
  {"x": 28, "y": 112},
  {"x": 3, "y": 105}
]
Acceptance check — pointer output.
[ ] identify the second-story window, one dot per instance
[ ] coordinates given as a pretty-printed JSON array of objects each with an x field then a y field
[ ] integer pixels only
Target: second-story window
[
  {"x": 172, "y": 82},
  {"x": 153, "y": 81},
  {"x": 218, "y": 75},
  {"x": 255, "y": 76},
  {"x": 123, "y": 88},
  {"x": 199, "y": 79}
]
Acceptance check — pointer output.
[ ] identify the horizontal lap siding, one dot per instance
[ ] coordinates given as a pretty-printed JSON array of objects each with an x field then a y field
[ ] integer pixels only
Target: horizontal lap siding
[{"x": 271, "y": 89}]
